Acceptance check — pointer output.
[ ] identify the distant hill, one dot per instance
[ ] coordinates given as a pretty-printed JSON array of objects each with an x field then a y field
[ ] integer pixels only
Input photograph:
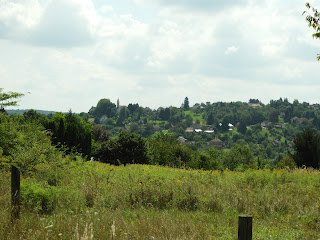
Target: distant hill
[{"x": 21, "y": 111}]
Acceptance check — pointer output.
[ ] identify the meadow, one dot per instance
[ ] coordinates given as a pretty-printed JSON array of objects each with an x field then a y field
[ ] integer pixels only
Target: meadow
[{"x": 75, "y": 199}]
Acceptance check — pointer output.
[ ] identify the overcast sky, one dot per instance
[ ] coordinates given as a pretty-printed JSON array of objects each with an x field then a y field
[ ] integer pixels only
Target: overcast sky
[{"x": 70, "y": 53}]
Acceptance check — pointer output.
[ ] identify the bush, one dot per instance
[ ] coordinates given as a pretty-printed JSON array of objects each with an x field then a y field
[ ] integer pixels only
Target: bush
[
  {"x": 287, "y": 162},
  {"x": 38, "y": 198},
  {"x": 127, "y": 148},
  {"x": 307, "y": 149},
  {"x": 164, "y": 149}
]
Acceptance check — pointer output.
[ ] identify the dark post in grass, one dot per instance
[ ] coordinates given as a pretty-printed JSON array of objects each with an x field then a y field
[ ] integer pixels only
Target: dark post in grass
[
  {"x": 15, "y": 193},
  {"x": 245, "y": 227}
]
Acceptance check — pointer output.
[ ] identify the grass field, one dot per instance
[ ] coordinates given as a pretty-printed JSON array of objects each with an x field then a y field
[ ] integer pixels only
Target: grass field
[{"x": 86, "y": 200}]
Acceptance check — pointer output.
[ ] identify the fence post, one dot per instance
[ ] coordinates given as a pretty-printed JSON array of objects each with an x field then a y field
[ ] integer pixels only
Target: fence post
[
  {"x": 15, "y": 193},
  {"x": 245, "y": 227}
]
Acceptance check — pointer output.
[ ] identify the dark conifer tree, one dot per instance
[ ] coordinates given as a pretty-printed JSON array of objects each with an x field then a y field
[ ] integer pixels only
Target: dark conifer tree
[
  {"x": 186, "y": 104},
  {"x": 307, "y": 149}
]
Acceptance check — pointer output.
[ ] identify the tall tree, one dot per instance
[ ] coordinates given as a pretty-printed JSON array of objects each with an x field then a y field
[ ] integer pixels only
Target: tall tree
[
  {"x": 186, "y": 104},
  {"x": 105, "y": 107},
  {"x": 313, "y": 19},
  {"x": 9, "y": 98},
  {"x": 242, "y": 128},
  {"x": 210, "y": 118},
  {"x": 307, "y": 149},
  {"x": 127, "y": 148},
  {"x": 122, "y": 116},
  {"x": 7, "y": 143}
]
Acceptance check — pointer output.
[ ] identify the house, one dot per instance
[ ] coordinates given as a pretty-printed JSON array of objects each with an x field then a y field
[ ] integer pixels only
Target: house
[
  {"x": 254, "y": 105},
  {"x": 230, "y": 126},
  {"x": 198, "y": 130},
  {"x": 298, "y": 120},
  {"x": 189, "y": 130},
  {"x": 209, "y": 131},
  {"x": 266, "y": 124},
  {"x": 194, "y": 126},
  {"x": 181, "y": 139},
  {"x": 217, "y": 143}
]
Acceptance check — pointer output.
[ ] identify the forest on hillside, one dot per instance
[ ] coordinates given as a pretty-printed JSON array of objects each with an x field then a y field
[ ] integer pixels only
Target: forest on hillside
[{"x": 233, "y": 135}]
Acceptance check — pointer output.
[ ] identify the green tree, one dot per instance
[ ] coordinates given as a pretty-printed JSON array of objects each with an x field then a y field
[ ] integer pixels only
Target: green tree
[
  {"x": 186, "y": 104},
  {"x": 122, "y": 116},
  {"x": 210, "y": 119},
  {"x": 189, "y": 120},
  {"x": 287, "y": 162},
  {"x": 104, "y": 107},
  {"x": 126, "y": 148},
  {"x": 307, "y": 149},
  {"x": 274, "y": 116},
  {"x": 134, "y": 127},
  {"x": 313, "y": 19},
  {"x": 9, "y": 98},
  {"x": 164, "y": 149},
  {"x": 242, "y": 128},
  {"x": 85, "y": 116},
  {"x": 100, "y": 134},
  {"x": 71, "y": 131},
  {"x": 133, "y": 108},
  {"x": 148, "y": 129},
  {"x": 239, "y": 155}
]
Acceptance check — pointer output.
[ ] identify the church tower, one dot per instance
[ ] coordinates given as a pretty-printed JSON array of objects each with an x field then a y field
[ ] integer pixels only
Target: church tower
[{"x": 118, "y": 104}]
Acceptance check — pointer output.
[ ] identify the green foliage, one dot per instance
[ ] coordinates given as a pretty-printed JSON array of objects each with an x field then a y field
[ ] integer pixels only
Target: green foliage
[
  {"x": 239, "y": 156},
  {"x": 164, "y": 114},
  {"x": 126, "y": 148},
  {"x": 186, "y": 104},
  {"x": 122, "y": 116},
  {"x": 274, "y": 116},
  {"x": 307, "y": 149},
  {"x": 242, "y": 128},
  {"x": 38, "y": 198},
  {"x": 100, "y": 134},
  {"x": 33, "y": 115},
  {"x": 210, "y": 119},
  {"x": 212, "y": 160},
  {"x": 287, "y": 162},
  {"x": 71, "y": 131},
  {"x": 104, "y": 107},
  {"x": 164, "y": 149},
  {"x": 189, "y": 120},
  {"x": 313, "y": 19},
  {"x": 24, "y": 143},
  {"x": 6, "y": 99}
]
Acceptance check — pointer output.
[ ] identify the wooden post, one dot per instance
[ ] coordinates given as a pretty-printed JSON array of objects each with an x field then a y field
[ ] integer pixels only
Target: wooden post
[
  {"x": 245, "y": 227},
  {"x": 15, "y": 193}
]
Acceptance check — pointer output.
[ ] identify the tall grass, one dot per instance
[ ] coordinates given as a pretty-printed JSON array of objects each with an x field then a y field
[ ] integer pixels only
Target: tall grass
[{"x": 86, "y": 200}]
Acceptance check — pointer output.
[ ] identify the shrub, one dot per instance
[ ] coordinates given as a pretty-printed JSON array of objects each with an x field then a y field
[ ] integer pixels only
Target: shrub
[{"x": 38, "y": 198}]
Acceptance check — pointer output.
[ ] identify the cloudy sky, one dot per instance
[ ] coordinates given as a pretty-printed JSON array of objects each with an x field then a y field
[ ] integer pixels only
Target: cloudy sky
[{"x": 68, "y": 54}]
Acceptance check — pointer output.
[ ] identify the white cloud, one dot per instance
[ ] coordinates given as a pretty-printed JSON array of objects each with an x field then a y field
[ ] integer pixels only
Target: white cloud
[
  {"x": 231, "y": 49},
  {"x": 105, "y": 9},
  {"x": 71, "y": 53},
  {"x": 65, "y": 24},
  {"x": 17, "y": 17}
]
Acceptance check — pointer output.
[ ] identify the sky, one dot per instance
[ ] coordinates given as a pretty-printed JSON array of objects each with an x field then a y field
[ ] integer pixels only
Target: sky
[{"x": 69, "y": 54}]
